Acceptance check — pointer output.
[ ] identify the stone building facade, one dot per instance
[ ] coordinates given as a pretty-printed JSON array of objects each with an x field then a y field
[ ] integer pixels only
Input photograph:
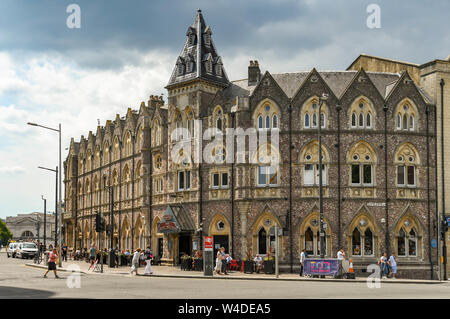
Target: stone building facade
[
  {"x": 434, "y": 78},
  {"x": 379, "y": 166},
  {"x": 30, "y": 227}
]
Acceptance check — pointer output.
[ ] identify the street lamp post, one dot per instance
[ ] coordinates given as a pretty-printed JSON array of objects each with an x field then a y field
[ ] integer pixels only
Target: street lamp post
[
  {"x": 56, "y": 201},
  {"x": 323, "y": 98},
  {"x": 60, "y": 181},
  {"x": 45, "y": 218}
]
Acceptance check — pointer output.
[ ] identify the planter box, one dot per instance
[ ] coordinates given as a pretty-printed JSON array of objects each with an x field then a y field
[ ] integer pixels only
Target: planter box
[
  {"x": 198, "y": 264},
  {"x": 269, "y": 266},
  {"x": 249, "y": 266},
  {"x": 186, "y": 264}
]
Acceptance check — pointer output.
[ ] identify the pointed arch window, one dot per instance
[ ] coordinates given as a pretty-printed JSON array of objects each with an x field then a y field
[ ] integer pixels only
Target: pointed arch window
[
  {"x": 405, "y": 122},
  {"x": 369, "y": 120},
  {"x": 362, "y": 114},
  {"x": 274, "y": 121},
  {"x": 262, "y": 241},
  {"x": 322, "y": 120},
  {"x": 314, "y": 120},
  {"x": 362, "y": 159},
  {"x": 190, "y": 123},
  {"x": 399, "y": 122},
  {"x": 356, "y": 242},
  {"x": 407, "y": 243},
  {"x": 361, "y": 120},
  {"x": 268, "y": 117},
  {"x": 362, "y": 245},
  {"x": 406, "y": 159},
  {"x": 353, "y": 119},
  {"x": 405, "y": 117},
  {"x": 309, "y": 242},
  {"x": 307, "y": 125}
]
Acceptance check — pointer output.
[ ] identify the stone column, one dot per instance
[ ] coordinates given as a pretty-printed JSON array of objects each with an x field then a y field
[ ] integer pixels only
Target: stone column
[{"x": 243, "y": 208}]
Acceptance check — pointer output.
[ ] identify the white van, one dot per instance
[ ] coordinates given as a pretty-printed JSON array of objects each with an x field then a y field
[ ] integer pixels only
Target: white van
[
  {"x": 11, "y": 250},
  {"x": 26, "y": 250}
]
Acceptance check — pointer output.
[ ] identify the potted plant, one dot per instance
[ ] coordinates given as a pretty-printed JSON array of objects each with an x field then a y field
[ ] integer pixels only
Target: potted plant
[
  {"x": 197, "y": 261},
  {"x": 269, "y": 264},
  {"x": 248, "y": 263},
  {"x": 186, "y": 262}
]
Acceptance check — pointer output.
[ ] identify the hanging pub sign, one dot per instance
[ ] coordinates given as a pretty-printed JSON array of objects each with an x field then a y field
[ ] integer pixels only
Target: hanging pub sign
[
  {"x": 169, "y": 223},
  {"x": 324, "y": 267}
]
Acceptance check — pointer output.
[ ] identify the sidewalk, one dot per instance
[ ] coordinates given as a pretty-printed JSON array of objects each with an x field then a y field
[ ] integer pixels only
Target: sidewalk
[{"x": 175, "y": 272}]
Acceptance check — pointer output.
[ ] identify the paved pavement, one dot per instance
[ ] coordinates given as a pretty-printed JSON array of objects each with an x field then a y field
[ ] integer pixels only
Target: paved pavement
[{"x": 20, "y": 281}]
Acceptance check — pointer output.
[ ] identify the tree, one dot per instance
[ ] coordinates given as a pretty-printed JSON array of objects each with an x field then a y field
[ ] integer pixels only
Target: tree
[{"x": 5, "y": 233}]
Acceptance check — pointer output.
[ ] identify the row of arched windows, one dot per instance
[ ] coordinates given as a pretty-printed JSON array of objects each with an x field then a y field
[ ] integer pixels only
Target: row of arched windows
[
  {"x": 362, "y": 238},
  {"x": 361, "y": 115}
]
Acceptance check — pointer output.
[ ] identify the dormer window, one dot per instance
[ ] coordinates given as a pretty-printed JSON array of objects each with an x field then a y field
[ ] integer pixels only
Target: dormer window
[
  {"x": 208, "y": 66},
  {"x": 190, "y": 67},
  {"x": 218, "y": 69},
  {"x": 180, "y": 69},
  {"x": 207, "y": 38}
]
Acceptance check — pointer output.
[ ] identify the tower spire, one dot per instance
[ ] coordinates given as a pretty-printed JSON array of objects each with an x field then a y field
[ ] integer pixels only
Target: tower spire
[{"x": 199, "y": 58}]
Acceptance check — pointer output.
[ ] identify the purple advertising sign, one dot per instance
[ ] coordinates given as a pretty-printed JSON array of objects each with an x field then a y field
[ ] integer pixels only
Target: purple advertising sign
[{"x": 324, "y": 267}]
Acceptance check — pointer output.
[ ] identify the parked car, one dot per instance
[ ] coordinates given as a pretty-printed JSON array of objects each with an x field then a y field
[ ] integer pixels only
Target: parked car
[
  {"x": 11, "y": 250},
  {"x": 26, "y": 250}
]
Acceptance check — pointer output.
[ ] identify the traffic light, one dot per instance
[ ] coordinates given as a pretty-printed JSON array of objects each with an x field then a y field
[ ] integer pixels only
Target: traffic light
[
  {"x": 444, "y": 228},
  {"x": 99, "y": 223}
]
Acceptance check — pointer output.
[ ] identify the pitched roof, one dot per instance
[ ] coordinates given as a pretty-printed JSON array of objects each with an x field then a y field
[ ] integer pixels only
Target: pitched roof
[
  {"x": 198, "y": 52},
  {"x": 336, "y": 80}
]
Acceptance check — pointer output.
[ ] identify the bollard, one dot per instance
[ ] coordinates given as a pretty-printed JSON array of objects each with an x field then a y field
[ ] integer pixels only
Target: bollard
[{"x": 46, "y": 258}]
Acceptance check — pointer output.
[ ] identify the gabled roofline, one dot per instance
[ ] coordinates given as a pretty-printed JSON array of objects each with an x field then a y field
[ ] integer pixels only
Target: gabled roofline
[{"x": 382, "y": 59}]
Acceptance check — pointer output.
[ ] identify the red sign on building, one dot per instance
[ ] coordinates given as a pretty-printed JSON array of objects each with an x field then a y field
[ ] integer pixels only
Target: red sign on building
[{"x": 208, "y": 243}]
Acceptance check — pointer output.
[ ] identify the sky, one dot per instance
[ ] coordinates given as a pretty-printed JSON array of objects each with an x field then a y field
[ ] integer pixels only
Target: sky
[{"x": 124, "y": 51}]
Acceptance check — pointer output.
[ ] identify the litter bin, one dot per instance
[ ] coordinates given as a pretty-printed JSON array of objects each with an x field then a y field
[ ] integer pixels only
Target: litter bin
[{"x": 46, "y": 258}]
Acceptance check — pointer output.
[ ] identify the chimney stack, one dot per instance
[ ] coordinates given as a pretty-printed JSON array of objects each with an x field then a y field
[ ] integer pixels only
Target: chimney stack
[
  {"x": 254, "y": 73},
  {"x": 155, "y": 100}
]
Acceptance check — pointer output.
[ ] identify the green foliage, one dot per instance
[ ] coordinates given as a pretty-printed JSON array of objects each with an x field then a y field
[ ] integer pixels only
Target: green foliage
[{"x": 5, "y": 233}]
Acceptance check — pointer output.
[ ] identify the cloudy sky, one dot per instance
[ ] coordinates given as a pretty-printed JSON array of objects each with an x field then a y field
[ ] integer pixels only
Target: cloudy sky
[{"x": 125, "y": 51}]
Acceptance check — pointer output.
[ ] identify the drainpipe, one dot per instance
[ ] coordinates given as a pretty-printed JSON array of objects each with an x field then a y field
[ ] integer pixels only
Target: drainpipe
[
  {"x": 427, "y": 112},
  {"x": 444, "y": 244},
  {"x": 233, "y": 120},
  {"x": 150, "y": 224},
  {"x": 132, "y": 197},
  {"x": 291, "y": 253},
  {"x": 436, "y": 202},
  {"x": 387, "y": 245},
  {"x": 338, "y": 109}
]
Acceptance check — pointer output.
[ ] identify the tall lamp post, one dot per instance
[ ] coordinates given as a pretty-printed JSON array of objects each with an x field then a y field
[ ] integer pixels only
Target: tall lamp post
[
  {"x": 323, "y": 98},
  {"x": 56, "y": 200},
  {"x": 60, "y": 180},
  {"x": 45, "y": 219}
]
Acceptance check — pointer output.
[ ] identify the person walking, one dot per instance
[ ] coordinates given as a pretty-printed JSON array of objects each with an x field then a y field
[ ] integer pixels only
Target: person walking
[
  {"x": 148, "y": 260},
  {"x": 64, "y": 252},
  {"x": 383, "y": 262},
  {"x": 92, "y": 254},
  {"x": 135, "y": 262},
  {"x": 224, "y": 261},
  {"x": 218, "y": 268},
  {"x": 302, "y": 261},
  {"x": 341, "y": 254},
  {"x": 52, "y": 257},
  {"x": 393, "y": 264}
]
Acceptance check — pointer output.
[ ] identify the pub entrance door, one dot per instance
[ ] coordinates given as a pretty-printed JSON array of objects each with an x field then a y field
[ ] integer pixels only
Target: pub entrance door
[
  {"x": 220, "y": 241},
  {"x": 184, "y": 246}
]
